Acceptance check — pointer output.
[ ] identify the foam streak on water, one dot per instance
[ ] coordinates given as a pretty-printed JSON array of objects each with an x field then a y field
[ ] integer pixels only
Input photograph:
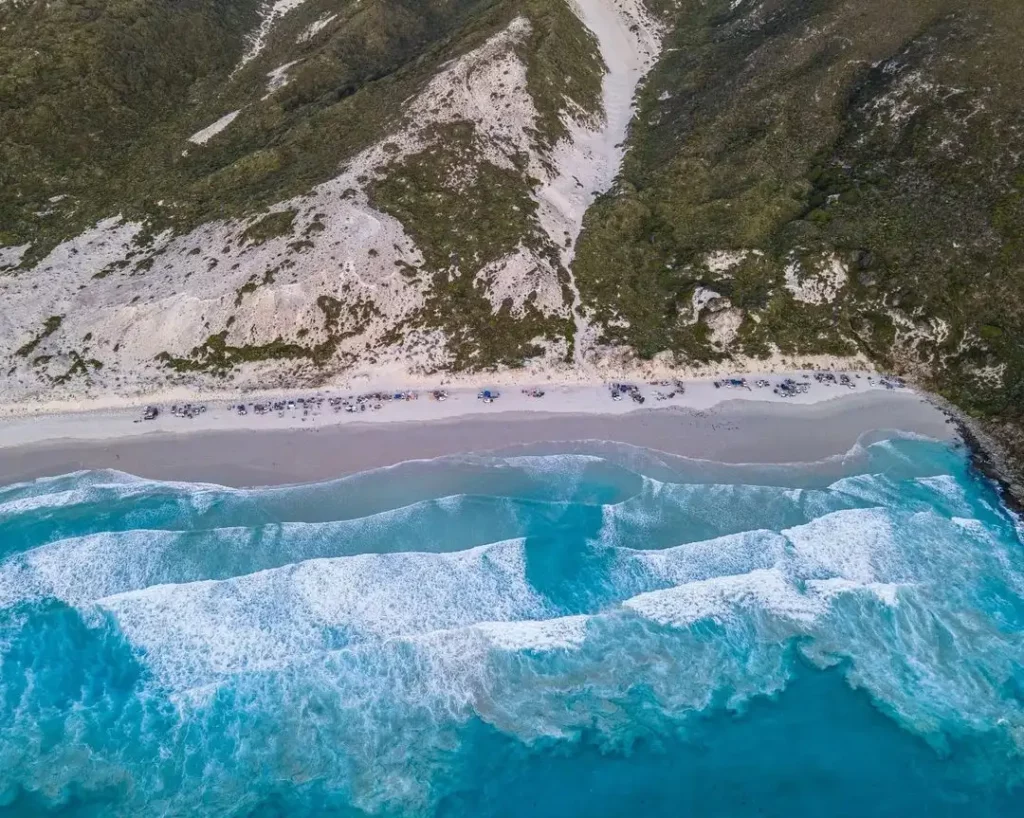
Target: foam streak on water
[{"x": 586, "y": 632}]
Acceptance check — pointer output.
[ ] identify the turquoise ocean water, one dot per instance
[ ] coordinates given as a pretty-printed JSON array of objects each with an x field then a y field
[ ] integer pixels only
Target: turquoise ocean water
[{"x": 604, "y": 631}]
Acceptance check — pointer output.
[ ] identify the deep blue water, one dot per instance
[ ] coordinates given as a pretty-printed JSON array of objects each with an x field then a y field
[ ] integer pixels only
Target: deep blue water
[{"x": 599, "y": 632}]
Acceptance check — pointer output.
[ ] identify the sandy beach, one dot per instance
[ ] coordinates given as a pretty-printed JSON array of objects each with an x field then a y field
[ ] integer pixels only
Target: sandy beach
[{"x": 312, "y": 441}]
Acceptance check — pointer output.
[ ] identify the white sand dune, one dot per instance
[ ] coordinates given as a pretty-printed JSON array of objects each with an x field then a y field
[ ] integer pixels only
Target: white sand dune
[{"x": 124, "y": 300}]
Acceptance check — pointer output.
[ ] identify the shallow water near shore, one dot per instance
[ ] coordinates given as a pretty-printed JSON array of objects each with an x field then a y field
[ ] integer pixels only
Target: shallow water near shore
[{"x": 595, "y": 630}]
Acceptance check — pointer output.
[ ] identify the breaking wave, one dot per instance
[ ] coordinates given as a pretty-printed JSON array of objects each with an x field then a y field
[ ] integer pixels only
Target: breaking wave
[{"x": 594, "y": 631}]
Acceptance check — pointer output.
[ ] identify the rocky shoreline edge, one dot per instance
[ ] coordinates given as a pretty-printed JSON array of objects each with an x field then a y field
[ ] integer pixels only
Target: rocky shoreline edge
[{"x": 988, "y": 455}]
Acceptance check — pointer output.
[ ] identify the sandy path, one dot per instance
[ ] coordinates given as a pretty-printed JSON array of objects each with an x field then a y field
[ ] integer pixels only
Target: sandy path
[{"x": 589, "y": 160}]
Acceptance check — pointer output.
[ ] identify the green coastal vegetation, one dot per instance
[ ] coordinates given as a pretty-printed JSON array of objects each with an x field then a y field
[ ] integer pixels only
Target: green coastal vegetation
[
  {"x": 99, "y": 96},
  {"x": 50, "y": 326},
  {"x": 888, "y": 136},
  {"x": 128, "y": 108},
  {"x": 869, "y": 149},
  {"x": 340, "y": 319},
  {"x": 465, "y": 213}
]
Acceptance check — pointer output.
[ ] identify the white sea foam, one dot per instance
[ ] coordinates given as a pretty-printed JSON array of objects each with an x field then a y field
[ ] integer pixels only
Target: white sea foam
[
  {"x": 951, "y": 492},
  {"x": 667, "y": 513},
  {"x": 83, "y": 478},
  {"x": 80, "y": 570},
  {"x": 380, "y": 661},
  {"x": 42, "y": 502},
  {"x": 793, "y": 576},
  {"x": 867, "y": 488},
  {"x": 563, "y": 633},
  {"x": 828, "y": 589},
  {"x": 857, "y": 544},
  {"x": 272, "y": 617},
  {"x": 733, "y": 554},
  {"x": 402, "y": 643},
  {"x": 394, "y": 594},
  {"x": 565, "y": 472},
  {"x": 550, "y": 463},
  {"x": 102, "y": 486},
  {"x": 268, "y": 619},
  {"x": 969, "y": 524},
  {"x": 722, "y": 598}
]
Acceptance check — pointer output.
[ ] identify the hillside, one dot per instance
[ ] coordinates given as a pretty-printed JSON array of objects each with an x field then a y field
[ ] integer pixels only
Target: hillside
[
  {"x": 346, "y": 184},
  {"x": 827, "y": 175},
  {"x": 236, "y": 195}
]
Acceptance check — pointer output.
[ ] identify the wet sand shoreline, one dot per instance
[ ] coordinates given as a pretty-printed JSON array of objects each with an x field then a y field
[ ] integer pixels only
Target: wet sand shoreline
[{"x": 731, "y": 431}]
